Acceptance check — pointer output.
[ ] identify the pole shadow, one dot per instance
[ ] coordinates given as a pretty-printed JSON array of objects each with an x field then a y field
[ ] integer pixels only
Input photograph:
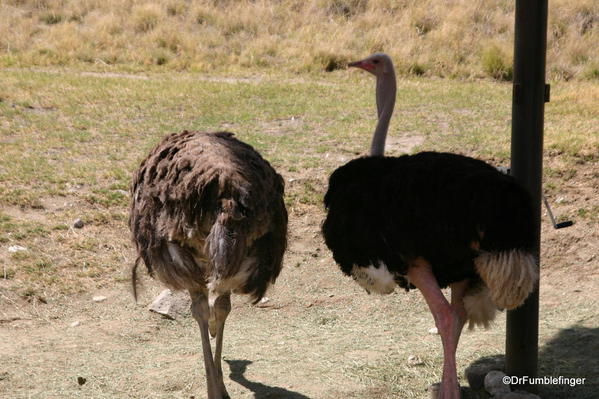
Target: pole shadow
[
  {"x": 572, "y": 353},
  {"x": 261, "y": 391}
]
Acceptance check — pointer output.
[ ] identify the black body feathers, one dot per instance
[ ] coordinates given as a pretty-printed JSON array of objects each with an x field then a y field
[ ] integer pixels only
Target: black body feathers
[{"x": 443, "y": 207}]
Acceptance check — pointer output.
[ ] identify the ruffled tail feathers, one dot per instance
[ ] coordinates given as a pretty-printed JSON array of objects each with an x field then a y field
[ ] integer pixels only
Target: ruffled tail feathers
[
  {"x": 509, "y": 277},
  {"x": 480, "y": 309}
]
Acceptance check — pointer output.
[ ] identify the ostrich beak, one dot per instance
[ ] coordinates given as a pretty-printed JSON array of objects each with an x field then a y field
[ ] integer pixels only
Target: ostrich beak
[{"x": 363, "y": 64}]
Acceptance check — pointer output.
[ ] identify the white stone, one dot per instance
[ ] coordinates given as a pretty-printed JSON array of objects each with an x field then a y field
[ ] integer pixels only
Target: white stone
[
  {"x": 171, "y": 305},
  {"x": 75, "y": 324},
  {"x": 16, "y": 248},
  {"x": 433, "y": 330},
  {"x": 99, "y": 298}
]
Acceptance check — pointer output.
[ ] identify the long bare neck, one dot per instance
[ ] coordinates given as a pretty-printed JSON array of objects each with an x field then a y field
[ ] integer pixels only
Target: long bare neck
[{"x": 385, "y": 102}]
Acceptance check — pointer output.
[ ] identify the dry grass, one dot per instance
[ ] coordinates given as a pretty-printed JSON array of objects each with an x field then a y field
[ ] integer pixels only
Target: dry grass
[{"x": 430, "y": 37}]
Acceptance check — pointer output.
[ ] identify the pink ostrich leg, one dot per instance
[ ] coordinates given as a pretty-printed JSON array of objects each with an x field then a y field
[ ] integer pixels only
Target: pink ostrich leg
[{"x": 449, "y": 319}]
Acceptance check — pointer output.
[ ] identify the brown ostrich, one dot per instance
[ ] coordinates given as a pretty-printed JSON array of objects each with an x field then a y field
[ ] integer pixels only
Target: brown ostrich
[{"x": 207, "y": 216}]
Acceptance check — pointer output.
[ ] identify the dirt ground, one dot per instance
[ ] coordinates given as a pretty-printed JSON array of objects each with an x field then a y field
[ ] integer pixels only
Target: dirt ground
[{"x": 319, "y": 336}]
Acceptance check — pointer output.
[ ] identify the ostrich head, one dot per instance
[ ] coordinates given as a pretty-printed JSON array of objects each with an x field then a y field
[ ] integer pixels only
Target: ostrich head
[
  {"x": 378, "y": 64},
  {"x": 381, "y": 66}
]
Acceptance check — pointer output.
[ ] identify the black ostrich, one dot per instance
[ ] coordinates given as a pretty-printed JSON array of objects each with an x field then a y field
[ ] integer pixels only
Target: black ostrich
[{"x": 429, "y": 221}]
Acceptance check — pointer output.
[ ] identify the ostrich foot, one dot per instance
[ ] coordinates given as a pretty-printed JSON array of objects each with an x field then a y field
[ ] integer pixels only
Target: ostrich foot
[
  {"x": 434, "y": 391},
  {"x": 447, "y": 391}
]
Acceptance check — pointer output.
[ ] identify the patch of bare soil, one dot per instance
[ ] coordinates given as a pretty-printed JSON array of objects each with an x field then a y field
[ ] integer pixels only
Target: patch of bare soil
[
  {"x": 398, "y": 145},
  {"x": 85, "y": 73},
  {"x": 114, "y": 75}
]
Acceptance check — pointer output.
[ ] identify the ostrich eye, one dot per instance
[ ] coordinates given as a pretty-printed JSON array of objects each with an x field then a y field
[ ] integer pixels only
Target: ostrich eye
[{"x": 375, "y": 61}]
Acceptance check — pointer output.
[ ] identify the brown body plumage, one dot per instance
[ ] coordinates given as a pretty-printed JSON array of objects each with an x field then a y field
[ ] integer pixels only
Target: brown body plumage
[{"x": 207, "y": 216}]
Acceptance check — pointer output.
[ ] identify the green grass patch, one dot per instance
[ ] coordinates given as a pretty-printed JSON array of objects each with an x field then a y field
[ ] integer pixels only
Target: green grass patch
[
  {"x": 14, "y": 229},
  {"x": 496, "y": 63}
]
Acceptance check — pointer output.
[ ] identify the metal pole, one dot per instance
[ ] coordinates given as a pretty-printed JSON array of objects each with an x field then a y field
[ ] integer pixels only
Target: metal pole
[{"x": 529, "y": 96}]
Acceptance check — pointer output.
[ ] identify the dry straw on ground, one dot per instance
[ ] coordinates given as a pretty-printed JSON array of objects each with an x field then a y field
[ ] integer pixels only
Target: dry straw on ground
[{"x": 458, "y": 38}]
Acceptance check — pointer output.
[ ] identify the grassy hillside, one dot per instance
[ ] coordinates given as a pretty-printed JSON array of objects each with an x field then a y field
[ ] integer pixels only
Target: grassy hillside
[{"x": 430, "y": 37}]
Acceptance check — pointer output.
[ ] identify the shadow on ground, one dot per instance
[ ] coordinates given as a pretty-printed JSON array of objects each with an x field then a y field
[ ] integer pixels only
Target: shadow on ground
[
  {"x": 261, "y": 391},
  {"x": 572, "y": 353}
]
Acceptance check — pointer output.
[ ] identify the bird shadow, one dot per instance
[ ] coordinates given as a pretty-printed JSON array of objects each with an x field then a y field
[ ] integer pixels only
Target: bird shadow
[
  {"x": 261, "y": 391},
  {"x": 572, "y": 353}
]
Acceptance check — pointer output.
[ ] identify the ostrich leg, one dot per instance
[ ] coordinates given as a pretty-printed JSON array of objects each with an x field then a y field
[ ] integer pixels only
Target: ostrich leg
[
  {"x": 457, "y": 303},
  {"x": 448, "y": 320},
  {"x": 201, "y": 312},
  {"x": 222, "y": 307}
]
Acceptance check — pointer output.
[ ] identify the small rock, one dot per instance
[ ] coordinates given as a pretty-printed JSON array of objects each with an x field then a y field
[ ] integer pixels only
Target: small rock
[
  {"x": 81, "y": 380},
  {"x": 476, "y": 372},
  {"x": 433, "y": 330},
  {"x": 414, "y": 361},
  {"x": 494, "y": 383},
  {"x": 99, "y": 298},
  {"x": 78, "y": 224},
  {"x": 171, "y": 304},
  {"x": 264, "y": 300},
  {"x": 16, "y": 248},
  {"x": 75, "y": 324}
]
